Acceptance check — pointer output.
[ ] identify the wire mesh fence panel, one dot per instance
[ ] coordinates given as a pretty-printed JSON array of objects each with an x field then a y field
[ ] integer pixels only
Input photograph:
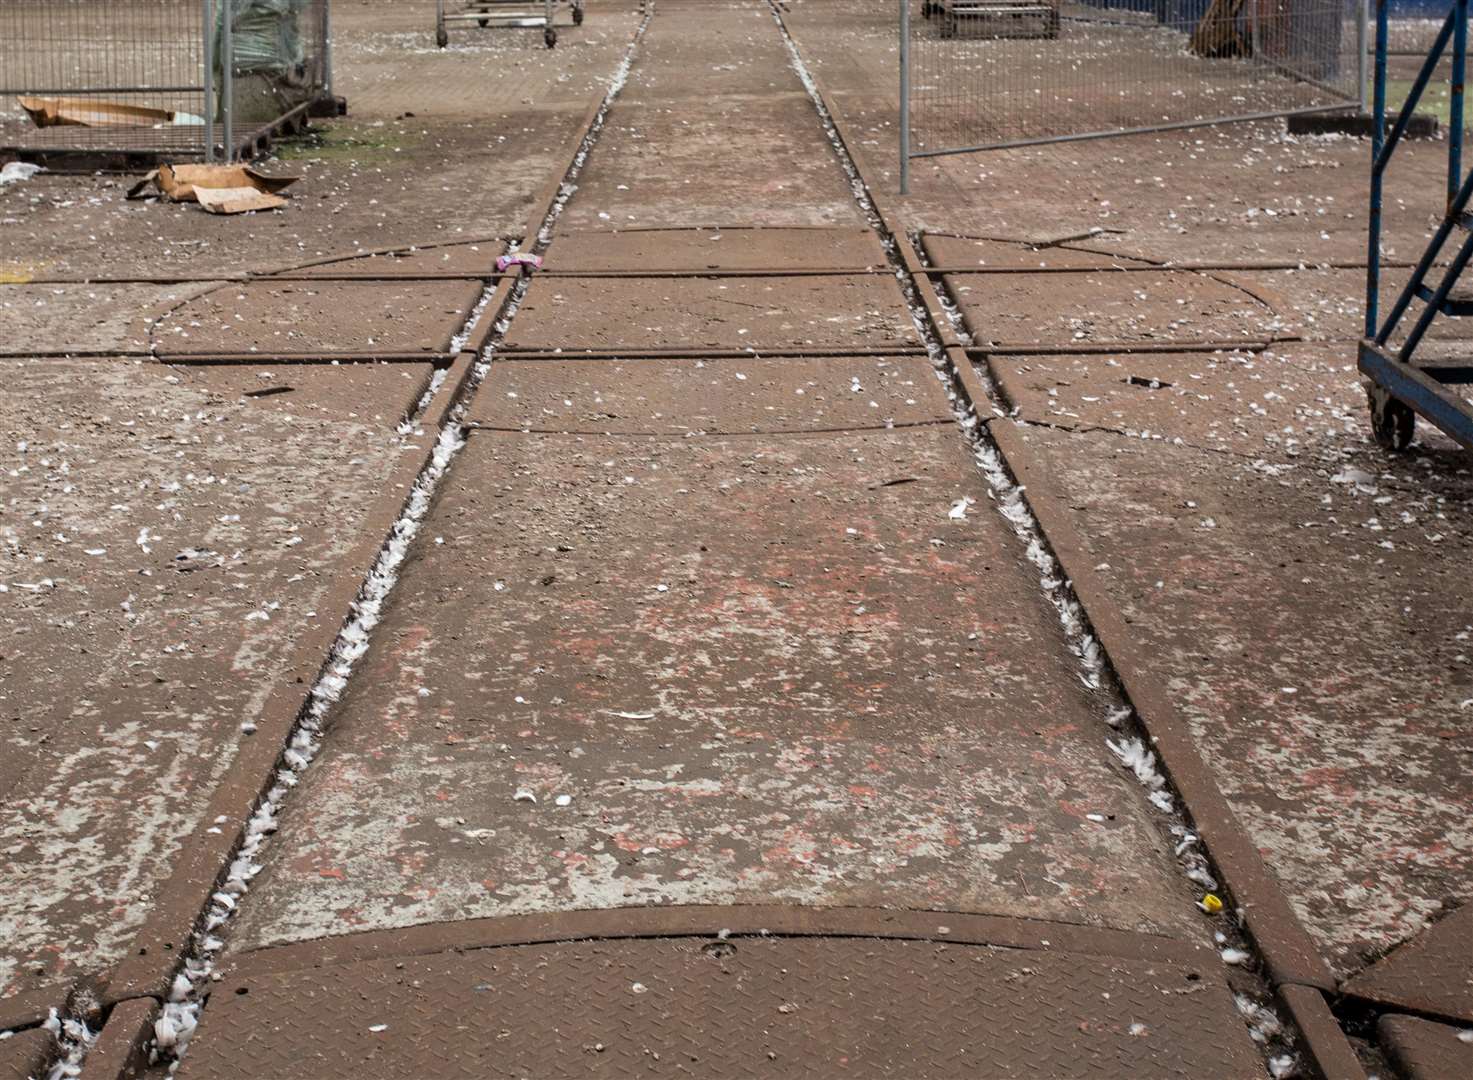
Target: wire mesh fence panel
[
  {"x": 1414, "y": 25},
  {"x": 280, "y": 59},
  {"x": 987, "y": 73},
  {"x": 167, "y": 78},
  {"x": 102, "y": 74}
]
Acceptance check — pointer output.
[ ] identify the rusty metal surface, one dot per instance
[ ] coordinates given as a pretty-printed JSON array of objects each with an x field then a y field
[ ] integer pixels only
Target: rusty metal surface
[
  {"x": 1422, "y": 1050},
  {"x": 1290, "y": 399},
  {"x": 333, "y": 317},
  {"x": 959, "y": 251},
  {"x": 741, "y": 248},
  {"x": 166, "y": 549},
  {"x": 24, "y": 1054},
  {"x": 711, "y": 648},
  {"x": 1309, "y": 626},
  {"x": 468, "y": 260},
  {"x": 1432, "y": 973},
  {"x": 740, "y": 148},
  {"x": 729, "y": 395},
  {"x": 705, "y": 920},
  {"x": 1109, "y": 306},
  {"x": 740, "y": 1007},
  {"x": 734, "y": 313},
  {"x": 118, "y": 1053}
]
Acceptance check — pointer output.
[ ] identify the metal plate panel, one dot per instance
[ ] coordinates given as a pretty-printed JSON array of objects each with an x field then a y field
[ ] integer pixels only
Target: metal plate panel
[
  {"x": 729, "y": 395},
  {"x": 743, "y": 1007},
  {"x": 863, "y": 311},
  {"x": 313, "y": 319}
]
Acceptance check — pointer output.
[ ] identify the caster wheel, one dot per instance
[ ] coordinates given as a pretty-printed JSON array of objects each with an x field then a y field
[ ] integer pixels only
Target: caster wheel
[
  {"x": 482, "y": 23},
  {"x": 1392, "y": 422},
  {"x": 442, "y": 38},
  {"x": 549, "y": 37},
  {"x": 577, "y": 16}
]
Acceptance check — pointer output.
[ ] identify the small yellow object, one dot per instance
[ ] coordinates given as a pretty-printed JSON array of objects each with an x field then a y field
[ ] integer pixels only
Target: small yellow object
[{"x": 1211, "y": 903}]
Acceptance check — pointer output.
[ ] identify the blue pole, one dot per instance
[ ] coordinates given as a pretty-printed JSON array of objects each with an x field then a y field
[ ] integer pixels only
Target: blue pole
[
  {"x": 1455, "y": 114},
  {"x": 1378, "y": 134}
]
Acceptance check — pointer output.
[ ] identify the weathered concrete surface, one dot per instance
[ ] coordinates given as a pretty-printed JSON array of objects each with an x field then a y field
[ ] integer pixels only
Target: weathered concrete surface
[
  {"x": 1311, "y": 623},
  {"x": 83, "y": 318},
  {"x": 858, "y": 311},
  {"x": 321, "y": 319},
  {"x": 761, "y": 672},
  {"x": 166, "y": 541}
]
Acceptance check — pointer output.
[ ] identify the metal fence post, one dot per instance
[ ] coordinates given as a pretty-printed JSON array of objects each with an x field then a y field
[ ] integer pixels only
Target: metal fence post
[
  {"x": 208, "y": 11},
  {"x": 905, "y": 97},
  {"x": 1363, "y": 54},
  {"x": 1455, "y": 102},
  {"x": 327, "y": 48},
  {"x": 227, "y": 76}
]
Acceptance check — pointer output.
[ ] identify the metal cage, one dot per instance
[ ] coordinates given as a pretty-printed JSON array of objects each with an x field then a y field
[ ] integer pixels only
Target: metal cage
[
  {"x": 151, "y": 80},
  {"x": 504, "y": 14}
]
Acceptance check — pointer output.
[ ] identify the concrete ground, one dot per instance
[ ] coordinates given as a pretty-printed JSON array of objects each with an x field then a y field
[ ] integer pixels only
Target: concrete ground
[{"x": 801, "y": 629}]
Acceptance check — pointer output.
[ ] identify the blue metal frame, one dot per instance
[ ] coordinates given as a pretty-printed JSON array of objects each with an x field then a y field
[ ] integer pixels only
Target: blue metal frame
[{"x": 1395, "y": 375}]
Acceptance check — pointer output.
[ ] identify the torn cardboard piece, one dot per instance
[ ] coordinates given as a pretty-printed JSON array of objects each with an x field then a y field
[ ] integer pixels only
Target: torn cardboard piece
[
  {"x": 94, "y": 112},
  {"x": 220, "y": 189}
]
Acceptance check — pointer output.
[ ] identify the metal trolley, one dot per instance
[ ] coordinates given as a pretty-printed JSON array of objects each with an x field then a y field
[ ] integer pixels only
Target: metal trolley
[
  {"x": 1404, "y": 383},
  {"x": 994, "y": 18},
  {"x": 505, "y": 14}
]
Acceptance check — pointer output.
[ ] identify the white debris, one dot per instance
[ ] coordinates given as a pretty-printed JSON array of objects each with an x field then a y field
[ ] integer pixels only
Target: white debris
[
  {"x": 1236, "y": 957},
  {"x": 378, "y": 1027},
  {"x": 16, "y": 172},
  {"x": 524, "y": 795},
  {"x": 1282, "y": 1066},
  {"x": 563, "y": 800},
  {"x": 1135, "y": 757},
  {"x": 958, "y": 509}
]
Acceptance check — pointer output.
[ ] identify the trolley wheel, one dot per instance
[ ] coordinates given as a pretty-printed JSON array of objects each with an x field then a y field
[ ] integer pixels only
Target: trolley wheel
[
  {"x": 1051, "y": 30},
  {"x": 948, "y": 26},
  {"x": 1392, "y": 422},
  {"x": 442, "y": 38},
  {"x": 928, "y": 9},
  {"x": 549, "y": 37},
  {"x": 577, "y": 16},
  {"x": 483, "y": 23}
]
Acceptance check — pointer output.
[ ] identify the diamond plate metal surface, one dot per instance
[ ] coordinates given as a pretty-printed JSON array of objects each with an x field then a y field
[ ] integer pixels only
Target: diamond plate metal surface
[
  {"x": 750, "y": 1006},
  {"x": 1422, "y": 1050},
  {"x": 24, "y": 1054},
  {"x": 1432, "y": 973}
]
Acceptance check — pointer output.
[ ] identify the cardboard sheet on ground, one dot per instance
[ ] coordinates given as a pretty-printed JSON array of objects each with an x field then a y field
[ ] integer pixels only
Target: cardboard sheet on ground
[
  {"x": 220, "y": 189},
  {"x": 94, "y": 112}
]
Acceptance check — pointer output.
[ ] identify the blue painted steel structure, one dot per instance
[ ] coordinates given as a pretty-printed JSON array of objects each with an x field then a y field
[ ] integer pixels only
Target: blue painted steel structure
[{"x": 1404, "y": 386}]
